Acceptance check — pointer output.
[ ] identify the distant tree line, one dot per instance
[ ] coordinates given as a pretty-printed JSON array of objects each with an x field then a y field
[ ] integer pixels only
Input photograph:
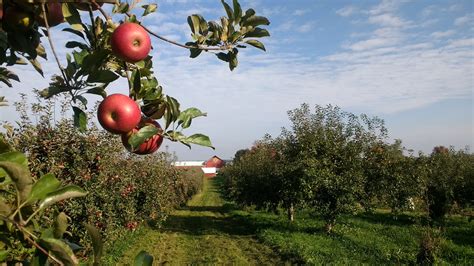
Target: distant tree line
[{"x": 335, "y": 162}]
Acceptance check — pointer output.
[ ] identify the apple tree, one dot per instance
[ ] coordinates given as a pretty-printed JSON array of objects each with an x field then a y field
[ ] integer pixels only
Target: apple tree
[
  {"x": 329, "y": 144},
  {"x": 109, "y": 50},
  {"x": 103, "y": 53}
]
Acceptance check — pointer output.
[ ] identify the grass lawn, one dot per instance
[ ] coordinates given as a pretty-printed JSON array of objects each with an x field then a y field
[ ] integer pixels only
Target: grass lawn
[
  {"x": 375, "y": 238},
  {"x": 202, "y": 233}
]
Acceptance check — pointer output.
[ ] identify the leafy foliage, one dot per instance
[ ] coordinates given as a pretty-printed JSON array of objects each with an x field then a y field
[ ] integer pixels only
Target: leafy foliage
[{"x": 128, "y": 190}]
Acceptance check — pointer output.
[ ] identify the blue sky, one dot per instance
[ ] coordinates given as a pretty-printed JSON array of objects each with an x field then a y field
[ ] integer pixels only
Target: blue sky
[{"x": 408, "y": 62}]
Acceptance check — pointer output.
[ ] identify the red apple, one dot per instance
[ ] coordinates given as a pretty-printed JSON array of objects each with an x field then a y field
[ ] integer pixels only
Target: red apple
[
  {"x": 118, "y": 114},
  {"x": 54, "y": 14},
  {"x": 85, "y": 6},
  {"x": 150, "y": 145},
  {"x": 16, "y": 19},
  {"x": 130, "y": 42}
]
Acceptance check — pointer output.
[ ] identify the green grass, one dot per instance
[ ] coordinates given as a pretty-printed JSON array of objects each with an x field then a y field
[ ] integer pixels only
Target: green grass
[
  {"x": 375, "y": 238},
  {"x": 203, "y": 232},
  {"x": 211, "y": 231}
]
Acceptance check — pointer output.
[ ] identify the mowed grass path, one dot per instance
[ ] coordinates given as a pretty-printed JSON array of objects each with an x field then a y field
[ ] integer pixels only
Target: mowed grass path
[{"x": 204, "y": 233}]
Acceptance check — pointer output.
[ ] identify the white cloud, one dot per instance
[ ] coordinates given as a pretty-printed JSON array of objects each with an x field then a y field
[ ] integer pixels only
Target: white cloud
[
  {"x": 300, "y": 12},
  {"x": 346, "y": 11},
  {"x": 305, "y": 27},
  {"x": 463, "y": 20},
  {"x": 387, "y": 20},
  {"x": 442, "y": 34},
  {"x": 386, "y": 6}
]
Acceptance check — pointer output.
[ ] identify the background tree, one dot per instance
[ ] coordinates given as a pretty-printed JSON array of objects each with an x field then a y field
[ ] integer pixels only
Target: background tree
[
  {"x": 330, "y": 145},
  {"x": 392, "y": 178},
  {"x": 449, "y": 171}
]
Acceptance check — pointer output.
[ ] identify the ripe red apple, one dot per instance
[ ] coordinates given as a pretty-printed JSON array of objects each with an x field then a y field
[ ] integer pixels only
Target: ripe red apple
[
  {"x": 54, "y": 14},
  {"x": 16, "y": 19},
  {"x": 118, "y": 114},
  {"x": 150, "y": 145},
  {"x": 130, "y": 42},
  {"x": 85, "y": 6}
]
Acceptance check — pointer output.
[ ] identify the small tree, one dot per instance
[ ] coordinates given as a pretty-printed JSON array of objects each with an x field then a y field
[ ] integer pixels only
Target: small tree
[
  {"x": 391, "y": 177},
  {"x": 447, "y": 170},
  {"x": 330, "y": 144}
]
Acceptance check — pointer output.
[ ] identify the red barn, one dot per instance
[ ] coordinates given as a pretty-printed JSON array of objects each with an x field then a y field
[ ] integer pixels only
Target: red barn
[
  {"x": 212, "y": 166},
  {"x": 214, "y": 162}
]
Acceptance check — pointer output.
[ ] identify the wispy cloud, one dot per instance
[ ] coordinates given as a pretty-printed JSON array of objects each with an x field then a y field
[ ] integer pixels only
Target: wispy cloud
[
  {"x": 463, "y": 20},
  {"x": 346, "y": 11},
  {"x": 443, "y": 34},
  {"x": 300, "y": 12}
]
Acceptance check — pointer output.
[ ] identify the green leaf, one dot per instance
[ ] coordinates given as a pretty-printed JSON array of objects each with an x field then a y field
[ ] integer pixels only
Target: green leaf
[
  {"x": 142, "y": 135},
  {"x": 195, "y": 52},
  {"x": 256, "y": 21},
  {"x": 137, "y": 84},
  {"x": 4, "y": 255},
  {"x": 59, "y": 250},
  {"x": 173, "y": 105},
  {"x": 256, "y": 44},
  {"x": 82, "y": 99},
  {"x": 149, "y": 9},
  {"x": 14, "y": 156},
  {"x": 185, "y": 117},
  {"x": 37, "y": 66},
  {"x": 237, "y": 11},
  {"x": 53, "y": 90},
  {"x": 5, "y": 209},
  {"x": 97, "y": 243},
  {"x": 250, "y": 12},
  {"x": 4, "y": 146},
  {"x": 45, "y": 185},
  {"x": 235, "y": 36},
  {"x": 233, "y": 62},
  {"x": 228, "y": 10},
  {"x": 194, "y": 23},
  {"x": 67, "y": 192},
  {"x": 122, "y": 8},
  {"x": 20, "y": 175},
  {"x": 80, "y": 119},
  {"x": 74, "y": 44},
  {"x": 98, "y": 91},
  {"x": 143, "y": 259},
  {"x": 102, "y": 76},
  {"x": 60, "y": 225},
  {"x": 199, "y": 139},
  {"x": 76, "y": 32},
  {"x": 257, "y": 33},
  {"x": 223, "y": 56},
  {"x": 71, "y": 15}
]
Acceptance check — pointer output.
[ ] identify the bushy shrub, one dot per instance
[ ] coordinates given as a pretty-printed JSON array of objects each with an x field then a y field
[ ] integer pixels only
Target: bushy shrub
[{"x": 124, "y": 190}]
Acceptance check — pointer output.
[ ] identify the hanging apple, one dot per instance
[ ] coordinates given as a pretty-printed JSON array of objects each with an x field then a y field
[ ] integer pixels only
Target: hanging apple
[
  {"x": 130, "y": 42},
  {"x": 118, "y": 114},
  {"x": 54, "y": 14},
  {"x": 150, "y": 145}
]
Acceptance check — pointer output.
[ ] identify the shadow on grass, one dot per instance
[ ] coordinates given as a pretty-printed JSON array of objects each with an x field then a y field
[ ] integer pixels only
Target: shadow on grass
[
  {"x": 388, "y": 218},
  {"x": 206, "y": 225}
]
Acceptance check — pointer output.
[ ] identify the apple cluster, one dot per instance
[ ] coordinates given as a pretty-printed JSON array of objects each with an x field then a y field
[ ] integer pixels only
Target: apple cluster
[{"x": 119, "y": 114}]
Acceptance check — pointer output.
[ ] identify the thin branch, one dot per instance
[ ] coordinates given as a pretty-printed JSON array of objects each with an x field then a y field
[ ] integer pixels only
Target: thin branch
[
  {"x": 61, "y": 68},
  {"x": 200, "y": 47},
  {"x": 44, "y": 251},
  {"x": 23, "y": 229}
]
